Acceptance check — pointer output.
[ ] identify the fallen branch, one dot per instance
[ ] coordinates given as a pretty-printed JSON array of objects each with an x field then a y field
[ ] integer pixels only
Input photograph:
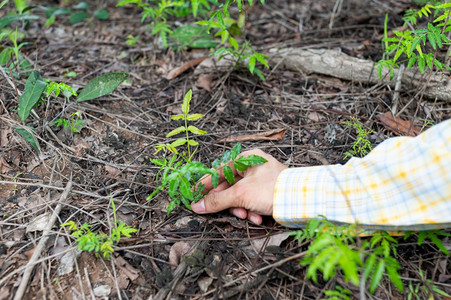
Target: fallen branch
[
  {"x": 37, "y": 252},
  {"x": 337, "y": 64}
]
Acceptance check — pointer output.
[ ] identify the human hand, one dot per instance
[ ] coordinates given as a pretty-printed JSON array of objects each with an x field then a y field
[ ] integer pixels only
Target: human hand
[{"x": 250, "y": 197}]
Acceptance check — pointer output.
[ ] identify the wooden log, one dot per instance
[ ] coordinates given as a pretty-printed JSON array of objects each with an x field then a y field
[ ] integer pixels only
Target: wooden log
[{"x": 340, "y": 65}]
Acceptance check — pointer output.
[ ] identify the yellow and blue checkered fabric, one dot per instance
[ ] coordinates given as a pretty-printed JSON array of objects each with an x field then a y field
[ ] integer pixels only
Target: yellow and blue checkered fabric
[{"x": 403, "y": 184}]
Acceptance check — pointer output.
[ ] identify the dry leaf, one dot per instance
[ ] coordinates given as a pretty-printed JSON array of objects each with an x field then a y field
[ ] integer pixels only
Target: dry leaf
[
  {"x": 273, "y": 240},
  {"x": 188, "y": 65},
  {"x": 272, "y": 135},
  {"x": 205, "y": 81},
  {"x": 39, "y": 223},
  {"x": 112, "y": 171},
  {"x": 397, "y": 125},
  {"x": 204, "y": 283},
  {"x": 4, "y": 293},
  {"x": 4, "y": 138},
  {"x": 127, "y": 269},
  {"x": 177, "y": 251}
]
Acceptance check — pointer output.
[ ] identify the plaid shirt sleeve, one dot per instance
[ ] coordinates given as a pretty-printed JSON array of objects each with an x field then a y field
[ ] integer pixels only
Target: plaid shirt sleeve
[{"x": 403, "y": 184}]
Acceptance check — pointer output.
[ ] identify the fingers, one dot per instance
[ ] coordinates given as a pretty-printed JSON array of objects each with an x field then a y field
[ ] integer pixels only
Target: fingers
[
  {"x": 206, "y": 180},
  {"x": 243, "y": 214},
  {"x": 217, "y": 200}
]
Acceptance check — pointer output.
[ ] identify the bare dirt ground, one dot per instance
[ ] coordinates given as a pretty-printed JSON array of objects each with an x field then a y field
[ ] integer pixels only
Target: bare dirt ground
[{"x": 296, "y": 117}]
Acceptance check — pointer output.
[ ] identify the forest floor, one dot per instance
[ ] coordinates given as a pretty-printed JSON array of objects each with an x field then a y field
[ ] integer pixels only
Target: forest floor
[{"x": 297, "y": 118}]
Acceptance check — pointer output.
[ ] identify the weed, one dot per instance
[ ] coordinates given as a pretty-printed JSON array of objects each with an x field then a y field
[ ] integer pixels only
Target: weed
[
  {"x": 220, "y": 21},
  {"x": 132, "y": 40},
  {"x": 337, "y": 248},
  {"x": 338, "y": 294},
  {"x": 73, "y": 123},
  {"x": 424, "y": 289},
  {"x": 36, "y": 86},
  {"x": 180, "y": 173},
  {"x": 412, "y": 44},
  {"x": 99, "y": 243},
  {"x": 361, "y": 146}
]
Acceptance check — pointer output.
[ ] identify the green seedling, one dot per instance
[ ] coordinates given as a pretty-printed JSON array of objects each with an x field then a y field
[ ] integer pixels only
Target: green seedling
[
  {"x": 79, "y": 13},
  {"x": 411, "y": 45},
  {"x": 335, "y": 249},
  {"x": 36, "y": 86},
  {"x": 180, "y": 174},
  {"x": 132, "y": 40},
  {"x": 220, "y": 21},
  {"x": 361, "y": 146},
  {"x": 73, "y": 123},
  {"x": 424, "y": 289},
  {"x": 99, "y": 243}
]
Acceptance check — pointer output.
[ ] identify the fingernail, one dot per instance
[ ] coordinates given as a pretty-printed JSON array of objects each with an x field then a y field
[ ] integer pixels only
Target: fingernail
[
  {"x": 199, "y": 207},
  {"x": 254, "y": 220}
]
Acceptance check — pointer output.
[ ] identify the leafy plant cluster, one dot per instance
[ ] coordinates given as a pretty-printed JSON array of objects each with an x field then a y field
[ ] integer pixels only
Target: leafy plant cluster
[
  {"x": 339, "y": 249},
  {"x": 180, "y": 174},
  {"x": 361, "y": 146},
  {"x": 36, "y": 88},
  {"x": 412, "y": 46},
  {"x": 220, "y": 22},
  {"x": 12, "y": 33},
  {"x": 79, "y": 13},
  {"x": 99, "y": 243}
]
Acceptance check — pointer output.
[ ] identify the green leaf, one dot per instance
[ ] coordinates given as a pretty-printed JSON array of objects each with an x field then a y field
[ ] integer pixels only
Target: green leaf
[
  {"x": 186, "y": 101},
  {"x": 235, "y": 151},
  {"x": 102, "y": 85},
  {"x": 239, "y": 166},
  {"x": 225, "y": 157},
  {"x": 28, "y": 137},
  {"x": 173, "y": 185},
  {"x": 216, "y": 163},
  {"x": 178, "y": 142},
  {"x": 377, "y": 276},
  {"x": 251, "y": 65},
  {"x": 5, "y": 56},
  {"x": 194, "y": 37},
  {"x": 34, "y": 87},
  {"x": 82, "y": 6},
  {"x": 5, "y": 21},
  {"x": 394, "y": 277},
  {"x": 215, "y": 179},
  {"x": 194, "y": 117},
  {"x": 101, "y": 14},
  {"x": 78, "y": 17},
  {"x": 233, "y": 43},
  {"x": 178, "y": 117},
  {"x": 185, "y": 188},
  {"x": 434, "y": 238},
  {"x": 196, "y": 130},
  {"x": 251, "y": 160},
  {"x": 228, "y": 174}
]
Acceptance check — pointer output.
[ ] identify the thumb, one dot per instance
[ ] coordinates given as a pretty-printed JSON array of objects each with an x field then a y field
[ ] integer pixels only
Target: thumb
[{"x": 215, "y": 201}]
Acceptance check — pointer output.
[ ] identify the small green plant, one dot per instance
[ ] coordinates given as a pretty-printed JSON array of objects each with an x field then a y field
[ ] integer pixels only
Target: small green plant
[
  {"x": 424, "y": 289},
  {"x": 411, "y": 45},
  {"x": 338, "y": 294},
  {"x": 220, "y": 21},
  {"x": 337, "y": 249},
  {"x": 79, "y": 13},
  {"x": 132, "y": 40},
  {"x": 35, "y": 87},
  {"x": 433, "y": 236},
  {"x": 180, "y": 174},
  {"x": 99, "y": 243},
  {"x": 361, "y": 146},
  {"x": 73, "y": 123}
]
